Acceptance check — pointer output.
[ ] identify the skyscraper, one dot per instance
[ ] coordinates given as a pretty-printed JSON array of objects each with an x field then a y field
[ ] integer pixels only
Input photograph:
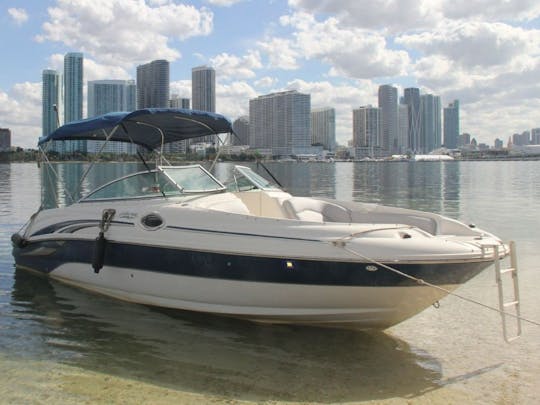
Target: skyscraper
[
  {"x": 5, "y": 139},
  {"x": 411, "y": 98},
  {"x": 106, "y": 96},
  {"x": 451, "y": 125},
  {"x": 179, "y": 102},
  {"x": 241, "y": 129},
  {"x": 323, "y": 127},
  {"x": 430, "y": 130},
  {"x": 281, "y": 122},
  {"x": 179, "y": 146},
  {"x": 403, "y": 129},
  {"x": 203, "y": 88},
  {"x": 73, "y": 96},
  {"x": 52, "y": 95},
  {"x": 367, "y": 131},
  {"x": 153, "y": 84},
  {"x": 73, "y": 86},
  {"x": 388, "y": 104}
]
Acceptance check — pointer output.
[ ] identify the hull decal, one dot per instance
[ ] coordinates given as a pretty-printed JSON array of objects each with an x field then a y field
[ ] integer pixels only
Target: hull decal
[{"x": 46, "y": 256}]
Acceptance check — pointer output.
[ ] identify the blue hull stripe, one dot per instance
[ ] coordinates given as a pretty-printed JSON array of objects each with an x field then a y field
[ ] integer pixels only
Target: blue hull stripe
[{"x": 47, "y": 256}]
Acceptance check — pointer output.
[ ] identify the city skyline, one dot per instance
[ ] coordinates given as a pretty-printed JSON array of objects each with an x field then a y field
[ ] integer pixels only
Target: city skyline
[{"x": 487, "y": 57}]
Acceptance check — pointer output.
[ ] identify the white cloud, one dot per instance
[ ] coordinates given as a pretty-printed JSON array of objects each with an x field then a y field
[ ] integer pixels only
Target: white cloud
[
  {"x": 124, "y": 32},
  {"x": 491, "y": 10},
  {"x": 20, "y": 110},
  {"x": 224, "y": 3},
  {"x": 350, "y": 52},
  {"x": 181, "y": 88},
  {"x": 388, "y": 15},
  {"x": 281, "y": 53},
  {"x": 230, "y": 66},
  {"x": 232, "y": 100},
  {"x": 410, "y": 15},
  {"x": 266, "y": 82},
  {"x": 475, "y": 44},
  {"x": 19, "y": 15}
]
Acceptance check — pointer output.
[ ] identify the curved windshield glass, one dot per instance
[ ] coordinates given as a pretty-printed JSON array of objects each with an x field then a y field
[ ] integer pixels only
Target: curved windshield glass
[
  {"x": 162, "y": 182},
  {"x": 246, "y": 179},
  {"x": 192, "y": 179}
]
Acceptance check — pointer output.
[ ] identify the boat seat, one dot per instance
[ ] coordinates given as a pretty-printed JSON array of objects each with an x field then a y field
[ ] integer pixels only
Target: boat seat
[
  {"x": 313, "y": 210},
  {"x": 264, "y": 203},
  {"x": 223, "y": 202}
]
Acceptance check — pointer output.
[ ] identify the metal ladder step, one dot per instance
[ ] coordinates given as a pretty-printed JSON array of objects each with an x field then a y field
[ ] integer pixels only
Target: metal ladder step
[{"x": 513, "y": 270}]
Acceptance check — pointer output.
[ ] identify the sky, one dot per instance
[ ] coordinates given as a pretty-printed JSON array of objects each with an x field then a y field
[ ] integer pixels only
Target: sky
[{"x": 485, "y": 53}]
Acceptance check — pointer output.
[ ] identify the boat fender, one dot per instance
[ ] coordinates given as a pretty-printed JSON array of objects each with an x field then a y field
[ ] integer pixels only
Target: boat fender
[
  {"x": 99, "y": 252},
  {"x": 101, "y": 243},
  {"x": 18, "y": 241}
]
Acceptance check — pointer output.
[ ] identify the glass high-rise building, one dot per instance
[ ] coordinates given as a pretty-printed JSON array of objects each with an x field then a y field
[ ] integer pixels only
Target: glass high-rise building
[
  {"x": 403, "y": 129},
  {"x": 73, "y": 96},
  {"x": 203, "y": 88},
  {"x": 179, "y": 102},
  {"x": 451, "y": 125},
  {"x": 280, "y": 123},
  {"x": 52, "y": 95},
  {"x": 5, "y": 139},
  {"x": 153, "y": 84},
  {"x": 411, "y": 98},
  {"x": 241, "y": 129},
  {"x": 430, "y": 130},
  {"x": 388, "y": 103},
  {"x": 323, "y": 127},
  {"x": 73, "y": 86},
  {"x": 367, "y": 132},
  {"x": 105, "y": 96}
]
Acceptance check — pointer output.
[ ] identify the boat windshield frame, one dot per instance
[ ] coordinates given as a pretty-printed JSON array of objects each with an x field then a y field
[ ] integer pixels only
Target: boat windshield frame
[{"x": 161, "y": 182}]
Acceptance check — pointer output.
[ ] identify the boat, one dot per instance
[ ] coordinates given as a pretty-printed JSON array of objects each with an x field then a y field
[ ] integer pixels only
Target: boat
[{"x": 178, "y": 237}]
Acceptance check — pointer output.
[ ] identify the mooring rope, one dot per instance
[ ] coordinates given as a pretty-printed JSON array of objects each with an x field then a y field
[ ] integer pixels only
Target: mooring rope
[{"x": 342, "y": 244}]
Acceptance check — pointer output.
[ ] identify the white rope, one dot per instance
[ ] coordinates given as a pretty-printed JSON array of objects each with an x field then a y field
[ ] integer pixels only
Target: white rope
[{"x": 342, "y": 244}]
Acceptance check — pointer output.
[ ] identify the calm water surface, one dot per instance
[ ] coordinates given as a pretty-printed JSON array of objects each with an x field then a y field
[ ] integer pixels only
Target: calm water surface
[{"x": 59, "y": 344}]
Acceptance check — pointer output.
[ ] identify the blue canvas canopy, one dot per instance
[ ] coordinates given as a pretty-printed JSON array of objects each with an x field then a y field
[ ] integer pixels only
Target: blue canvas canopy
[{"x": 149, "y": 127}]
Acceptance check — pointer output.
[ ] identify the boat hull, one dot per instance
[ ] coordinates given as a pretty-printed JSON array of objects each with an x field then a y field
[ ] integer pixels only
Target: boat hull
[{"x": 267, "y": 289}]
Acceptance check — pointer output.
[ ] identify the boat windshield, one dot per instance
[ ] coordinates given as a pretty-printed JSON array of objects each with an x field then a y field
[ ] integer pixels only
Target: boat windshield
[
  {"x": 246, "y": 179},
  {"x": 167, "y": 181}
]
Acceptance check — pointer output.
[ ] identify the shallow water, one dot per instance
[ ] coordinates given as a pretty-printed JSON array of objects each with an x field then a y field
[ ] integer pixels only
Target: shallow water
[{"x": 59, "y": 344}]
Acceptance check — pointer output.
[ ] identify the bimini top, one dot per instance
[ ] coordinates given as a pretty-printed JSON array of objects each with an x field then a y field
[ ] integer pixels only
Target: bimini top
[{"x": 149, "y": 127}]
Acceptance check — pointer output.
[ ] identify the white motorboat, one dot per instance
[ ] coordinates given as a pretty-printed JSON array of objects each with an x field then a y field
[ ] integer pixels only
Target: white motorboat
[{"x": 177, "y": 237}]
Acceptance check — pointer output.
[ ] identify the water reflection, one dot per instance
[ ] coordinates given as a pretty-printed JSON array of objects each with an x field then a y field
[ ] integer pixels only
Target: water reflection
[
  {"x": 5, "y": 189},
  {"x": 211, "y": 355},
  {"x": 427, "y": 186},
  {"x": 62, "y": 181}
]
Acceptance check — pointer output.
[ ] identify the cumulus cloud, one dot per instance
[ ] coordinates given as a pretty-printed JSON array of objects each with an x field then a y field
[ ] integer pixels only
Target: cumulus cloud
[
  {"x": 224, "y": 3},
  {"x": 266, "y": 82},
  {"x": 350, "y": 52},
  {"x": 281, "y": 53},
  {"x": 124, "y": 32},
  {"x": 181, "y": 88},
  {"x": 19, "y": 15},
  {"x": 390, "y": 15},
  {"x": 410, "y": 15},
  {"x": 20, "y": 109},
  {"x": 232, "y": 99},
  {"x": 475, "y": 44},
  {"x": 491, "y": 10},
  {"x": 231, "y": 66}
]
